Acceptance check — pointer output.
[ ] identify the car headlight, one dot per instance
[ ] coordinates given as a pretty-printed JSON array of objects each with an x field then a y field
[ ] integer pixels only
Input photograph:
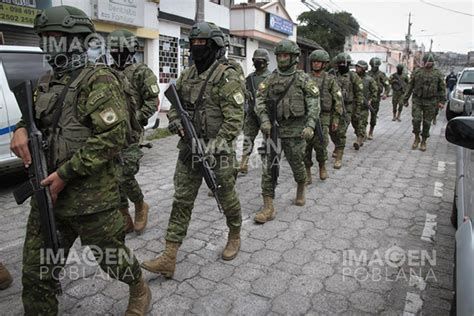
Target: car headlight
[{"x": 458, "y": 94}]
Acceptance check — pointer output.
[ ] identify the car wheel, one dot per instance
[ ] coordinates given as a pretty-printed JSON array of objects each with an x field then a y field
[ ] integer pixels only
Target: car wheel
[{"x": 454, "y": 214}]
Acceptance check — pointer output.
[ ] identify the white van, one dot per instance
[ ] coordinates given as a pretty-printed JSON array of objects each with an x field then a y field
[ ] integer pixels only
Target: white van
[{"x": 18, "y": 63}]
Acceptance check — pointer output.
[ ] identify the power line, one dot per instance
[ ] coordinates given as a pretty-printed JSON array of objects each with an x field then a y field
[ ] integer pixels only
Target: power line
[{"x": 444, "y": 8}]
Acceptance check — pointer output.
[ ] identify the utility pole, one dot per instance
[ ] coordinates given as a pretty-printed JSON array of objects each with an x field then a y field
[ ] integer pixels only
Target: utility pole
[
  {"x": 431, "y": 45},
  {"x": 408, "y": 42}
]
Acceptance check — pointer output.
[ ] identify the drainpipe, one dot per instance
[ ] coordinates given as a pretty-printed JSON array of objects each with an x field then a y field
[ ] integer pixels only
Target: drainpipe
[{"x": 199, "y": 11}]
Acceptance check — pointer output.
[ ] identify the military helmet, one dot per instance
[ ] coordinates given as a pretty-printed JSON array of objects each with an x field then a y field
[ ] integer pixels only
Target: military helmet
[
  {"x": 207, "y": 30},
  {"x": 362, "y": 64},
  {"x": 261, "y": 53},
  {"x": 319, "y": 55},
  {"x": 65, "y": 19},
  {"x": 343, "y": 58},
  {"x": 287, "y": 46},
  {"x": 400, "y": 66},
  {"x": 375, "y": 62},
  {"x": 120, "y": 39},
  {"x": 429, "y": 57}
]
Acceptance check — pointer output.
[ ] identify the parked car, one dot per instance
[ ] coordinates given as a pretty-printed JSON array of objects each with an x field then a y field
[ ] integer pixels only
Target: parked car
[
  {"x": 456, "y": 105},
  {"x": 460, "y": 131},
  {"x": 17, "y": 63}
]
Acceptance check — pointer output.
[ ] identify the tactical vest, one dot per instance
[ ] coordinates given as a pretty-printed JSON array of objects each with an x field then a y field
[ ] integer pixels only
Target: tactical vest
[
  {"x": 378, "y": 77},
  {"x": 366, "y": 89},
  {"x": 426, "y": 84},
  {"x": 345, "y": 82},
  {"x": 70, "y": 134},
  {"x": 293, "y": 103},
  {"x": 324, "y": 93},
  {"x": 398, "y": 84},
  {"x": 208, "y": 119}
]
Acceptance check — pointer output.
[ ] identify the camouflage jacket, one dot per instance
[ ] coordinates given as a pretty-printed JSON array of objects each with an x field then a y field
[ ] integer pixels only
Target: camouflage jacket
[
  {"x": 91, "y": 132},
  {"x": 370, "y": 90},
  {"x": 252, "y": 82},
  {"x": 351, "y": 87},
  {"x": 298, "y": 109},
  {"x": 145, "y": 87},
  {"x": 220, "y": 116},
  {"x": 330, "y": 96},
  {"x": 382, "y": 82},
  {"x": 426, "y": 84},
  {"x": 399, "y": 83}
]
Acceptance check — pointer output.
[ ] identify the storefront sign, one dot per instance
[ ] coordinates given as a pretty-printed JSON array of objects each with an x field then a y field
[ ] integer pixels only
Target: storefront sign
[
  {"x": 278, "y": 24},
  {"x": 130, "y": 12},
  {"x": 19, "y": 12}
]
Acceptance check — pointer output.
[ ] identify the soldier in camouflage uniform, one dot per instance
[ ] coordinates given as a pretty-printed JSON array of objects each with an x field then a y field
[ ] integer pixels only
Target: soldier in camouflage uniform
[
  {"x": 370, "y": 92},
  {"x": 251, "y": 123},
  {"x": 384, "y": 86},
  {"x": 399, "y": 83},
  {"x": 140, "y": 83},
  {"x": 330, "y": 115},
  {"x": 218, "y": 121},
  {"x": 298, "y": 109},
  {"x": 353, "y": 100},
  {"x": 429, "y": 92},
  {"x": 82, "y": 147},
  {"x": 224, "y": 58}
]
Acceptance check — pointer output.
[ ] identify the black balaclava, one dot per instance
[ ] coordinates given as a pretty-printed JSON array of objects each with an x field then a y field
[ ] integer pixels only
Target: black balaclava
[
  {"x": 65, "y": 53},
  {"x": 343, "y": 68},
  {"x": 259, "y": 64},
  {"x": 399, "y": 71},
  {"x": 122, "y": 58},
  {"x": 204, "y": 55}
]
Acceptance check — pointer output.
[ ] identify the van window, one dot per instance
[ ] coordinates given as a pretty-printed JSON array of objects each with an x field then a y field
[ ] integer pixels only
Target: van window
[
  {"x": 467, "y": 77},
  {"x": 20, "y": 66}
]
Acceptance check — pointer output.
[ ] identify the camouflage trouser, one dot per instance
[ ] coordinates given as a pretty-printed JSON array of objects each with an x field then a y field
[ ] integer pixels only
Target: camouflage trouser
[
  {"x": 294, "y": 149},
  {"x": 338, "y": 137},
  {"x": 360, "y": 118},
  {"x": 102, "y": 231},
  {"x": 397, "y": 101},
  {"x": 423, "y": 110},
  {"x": 187, "y": 181},
  {"x": 321, "y": 150},
  {"x": 129, "y": 187},
  {"x": 373, "y": 116},
  {"x": 251, "y": 128}
]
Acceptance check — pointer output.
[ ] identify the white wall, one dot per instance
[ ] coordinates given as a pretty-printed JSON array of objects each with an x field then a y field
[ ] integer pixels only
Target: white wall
[
  {"x": 170, "y": 29},
  {"x": 85, "y": 6},
  {"x": 182, "y": 8},
  {"x": 151, "y": 15},
  {"x": 217, "y": 14}
]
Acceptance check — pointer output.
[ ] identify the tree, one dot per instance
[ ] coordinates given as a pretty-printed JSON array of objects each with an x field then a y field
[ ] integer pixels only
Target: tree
[{"x": 328, "y": 29}]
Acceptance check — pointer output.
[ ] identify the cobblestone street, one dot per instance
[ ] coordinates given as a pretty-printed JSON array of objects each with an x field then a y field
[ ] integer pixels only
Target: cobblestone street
[{"x": 374, "y": 238}]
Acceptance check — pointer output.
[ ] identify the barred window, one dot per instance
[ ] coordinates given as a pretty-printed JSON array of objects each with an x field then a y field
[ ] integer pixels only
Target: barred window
[{"x": 168, "y": 58}]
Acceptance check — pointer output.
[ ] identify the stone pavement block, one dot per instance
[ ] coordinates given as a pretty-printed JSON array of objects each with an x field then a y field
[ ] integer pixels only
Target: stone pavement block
[{"x": 291, "y": 304}]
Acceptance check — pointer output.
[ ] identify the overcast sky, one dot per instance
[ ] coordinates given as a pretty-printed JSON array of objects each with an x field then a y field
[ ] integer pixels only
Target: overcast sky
[{"x": 388, "y": 20}]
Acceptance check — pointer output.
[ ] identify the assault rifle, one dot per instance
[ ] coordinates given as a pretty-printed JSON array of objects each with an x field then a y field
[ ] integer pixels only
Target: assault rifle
[
  {"x": 195, "y": 146},
  {"x": 37, "y": 172}
]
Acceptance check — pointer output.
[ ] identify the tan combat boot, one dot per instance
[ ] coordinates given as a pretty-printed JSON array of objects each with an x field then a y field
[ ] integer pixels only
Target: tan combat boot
[
  {"x": 338, "y": 162},
  {"x": 268, "y": 211},
  {"x": 358, "y": 143},
  {"x": 5, "y": 277},
  {"x": 394, "y": 116},
  {"x": 128, "y": 223},
  {"x": 300, "y": 194},
  {"x": 165, "y": 264},
  {"x": 308, "y": 175},
  {"x": 141, "y": 216},
  {"x": 423, "y": 144},
  {"x": 139, "y": 300},
  {"x": 233, "y": 246},
  {"x": 323, "y": 173},
  {"x": 398, "y": 116},
  {"x": 334, "y": 154},
  {"x": 416, "y": 142},
  {"x": 371, "y": 133},
  {"x": 244, "y": 164}
]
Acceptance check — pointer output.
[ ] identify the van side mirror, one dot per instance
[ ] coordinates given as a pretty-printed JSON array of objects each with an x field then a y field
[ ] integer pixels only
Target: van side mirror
[{"x": 460, "y": 131}]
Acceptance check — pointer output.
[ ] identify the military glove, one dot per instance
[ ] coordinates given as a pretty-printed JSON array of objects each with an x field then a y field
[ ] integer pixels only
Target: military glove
[
  {"x": 175, "y": 126},
  {"x": 266, "y": 128},
  {"x": 307, "y": 133}
]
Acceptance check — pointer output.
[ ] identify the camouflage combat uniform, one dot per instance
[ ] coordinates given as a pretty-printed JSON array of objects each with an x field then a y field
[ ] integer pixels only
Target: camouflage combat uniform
[
  {"x": 298, "y": 109},
  {"x": 383, "y": 86},
  {"x": 370, "y": 92},
  {"x": 399, "y": 83},
  {"x": 221, "y": 117},
  {"x": 331, "y": 113}
]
